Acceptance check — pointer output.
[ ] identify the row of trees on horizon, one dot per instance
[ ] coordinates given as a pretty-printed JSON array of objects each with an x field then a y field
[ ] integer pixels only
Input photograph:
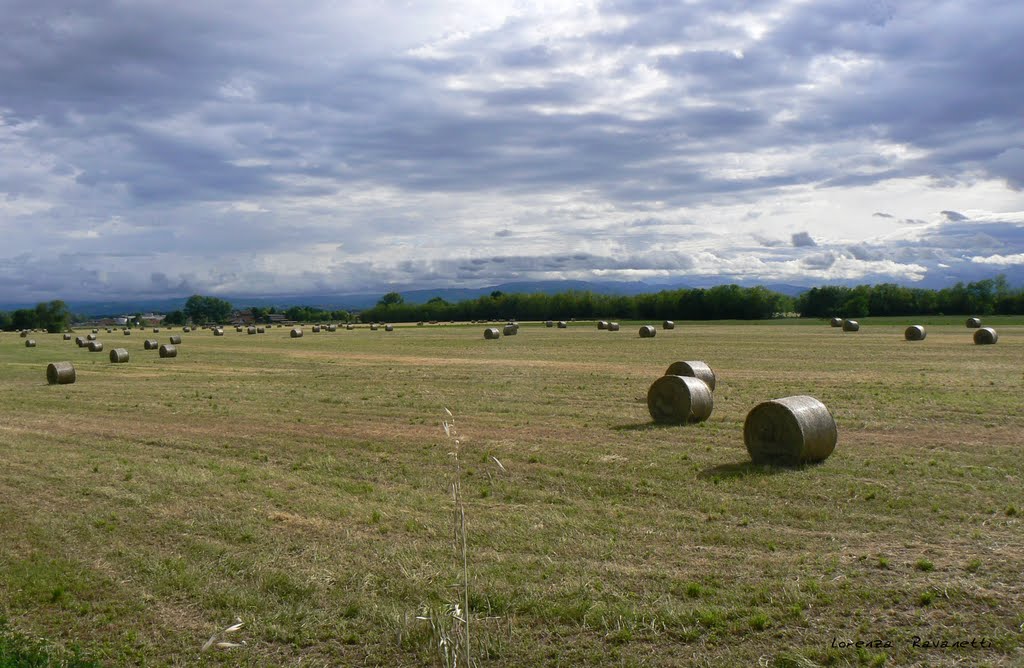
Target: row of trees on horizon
[{"x": 724, "y": 302}]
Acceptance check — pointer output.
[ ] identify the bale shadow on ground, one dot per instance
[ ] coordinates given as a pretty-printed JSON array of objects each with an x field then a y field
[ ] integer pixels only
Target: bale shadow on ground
[
  {"x": 743, "y": 469},
  {"x": 646, "y": 426}
]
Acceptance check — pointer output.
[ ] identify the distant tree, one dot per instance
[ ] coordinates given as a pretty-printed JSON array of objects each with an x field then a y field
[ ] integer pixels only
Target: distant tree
[
  {"x": 391, "y": 299},
  {"x": 497, "y": 294},
  {"x": 175, "y": 318},
  {"x": 52, "y": 316},
  {"x": 5, "y": 320},
  {"x": 202, "y": 309}
]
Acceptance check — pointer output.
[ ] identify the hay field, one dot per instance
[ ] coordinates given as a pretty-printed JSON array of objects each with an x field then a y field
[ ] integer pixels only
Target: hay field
[{"x": 302, "y": 485}]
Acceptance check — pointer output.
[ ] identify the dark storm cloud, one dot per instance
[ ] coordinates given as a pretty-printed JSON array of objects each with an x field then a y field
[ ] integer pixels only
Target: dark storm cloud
[
  {"x": 879, "y": 214},
  {"x": 954, "y": 216},
  {"x": 803, "y": 239}
]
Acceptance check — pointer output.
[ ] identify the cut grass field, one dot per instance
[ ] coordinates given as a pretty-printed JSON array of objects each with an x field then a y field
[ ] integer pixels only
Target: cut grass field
[{"x": 302, "y": 485}]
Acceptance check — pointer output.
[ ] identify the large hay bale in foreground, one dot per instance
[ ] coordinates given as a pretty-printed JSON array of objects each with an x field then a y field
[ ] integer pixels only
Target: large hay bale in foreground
[
  {"x": 973, "y": 323},
  {"x": 915, "y": 333},
  {"x": 602, "y": 324},
  {"x": 790, "y": 431},
  {"x": 647, "y": 332},
  {"x": 176, "y": 340},
  {"x": 679, "y": 400},
  {"x": 492, "y": 333},
  {"x": 613, "y": 327},
  {"x": 985, "y": 335},
  {"x": 562, "y": 324},
  {"x": 836, "y": 322},
  {"x": 95, "y": 347},
  {"x": 668, "y": 324},
  {"x": 851, "y": 326},
  {"x": 60, "y": 373},
  {"x": 30, "y": 343},
  {"x": 510, "y": 330},
  {"x": 693, "y": 369},
  {"x": 118, "y": 355},
  {"x": 168, "y": 350},
  {"x": 150, "y": 344},
  {"x": 296, "y": 333}
]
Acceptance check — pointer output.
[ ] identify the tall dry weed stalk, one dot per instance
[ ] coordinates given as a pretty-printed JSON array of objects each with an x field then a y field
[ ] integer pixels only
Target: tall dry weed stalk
[{"x": 460, "y": 540}]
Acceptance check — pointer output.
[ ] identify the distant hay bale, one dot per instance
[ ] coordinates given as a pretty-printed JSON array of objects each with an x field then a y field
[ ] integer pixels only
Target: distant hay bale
[
  {"x": 419, "y": 324},
  {"x": 973, "y": 323},
  {"x": 60, "y": 373},
  {"x": 492, "y": 333},
  {"x": 668, "y": 324},
  {"x": 602, "y": 324},
  {"x": 187, "y": 329},
  {"x": 80, "y": 341},
  {"x": 693, "y": 369},
  {"x": 836, "y": 322},
  {"x": 985, "y": 335},
  {"x": 332, "y": 328},
  {"x": 790, "y": 431},
  {"x": 109, "y": 331},
  {"x": 150, "y": 344},
  {"x": 389, "y": 328},
  {"x": 679, "y": 400},
  {"x": 250, "y": 330},
  {"x": 851, "y": 326},
  {"x": 95, "y": 347},
  {"x": 30, "y": 343},
  {"x": 238, "y": 329},
  {"x": 95, "y": 331},
  {"x": 915, "y": 333},
  {"x": 562, "y": 324},
  {"x": 316, "y": 329},
  {"x": 23, "y": 334},
  {"x": 67, "y": 337},
  {"x": 613, "y": 327},
  {"x": 261, "y": 330},
  {"x": 374, "y": 327},
  {"x": 156, "y": 330},
  {"x": 90, "y": 337},
  {"x": 176, "y": 339},
  {"x": 510, "y": 330},
  {"x": 549, "y": 323},
  {"x": 350, "y": 326},
  {"x": 118, "y": 355},
  {"x": 168, "y": 350},
  {"x": 647, "y": 332},
  {"x": 127, "y": 332},
  {"x": 218, "y": 332},
  {"x": 296, "y": 333}
]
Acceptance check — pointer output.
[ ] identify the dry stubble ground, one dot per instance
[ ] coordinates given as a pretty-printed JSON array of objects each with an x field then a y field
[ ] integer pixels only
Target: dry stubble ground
[{"x": 301, "y": 485}]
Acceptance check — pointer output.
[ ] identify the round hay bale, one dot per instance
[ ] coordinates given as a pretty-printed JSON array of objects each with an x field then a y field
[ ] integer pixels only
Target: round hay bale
[
  {"x": 693, "y": 369},
  {"x": 510, "y": 330},
  {"x": 176, "y": 339},
  {"x": 374, "y": 327},
  {"x": 647, "y": 332},
  {"x": 23, "y": 334},
  {"x": 168, "y": 350},
  {"x": 150, "y": 344},
  {"x": 613, "y": 327},
  {"x": 238, "y": 329},
  {"x": 492, "y": 333},
  {"x": 67, "y": 337},
  {"x": 118, "y": 355},
  {"x": 562, "y": 324},
  {"x": 668, "y": 324},
  {"x": 261, "y": 330},
  {"x": 156, "y": 330},
  {"x": 90, "y": 337},
  {"x": 127, "y": 332},
  {"x": 851, "y": 326},
  {"x": 836, "y": 322},
  {"x": 973, "y": 323},
  {"x": 296, "y": 333},
  {"x": 915, "y": 333},
  {"x": 109, "y": 331},
  {"x": 30, "y": 343},
  {"x": 790, "y": 431},
  {"x": 549, "y": 323},
  {"x": 80, "y": 341},
  {"x": 95, "y": 347},
  {"x": 389, "y": 328},
  {"x": 60, "y": 373},
  {"x": 187, "y": 329},
  {"x": 334, "y": 328},
  {"x": 95, "y": 331},
  {"x": 316, "y": 329},
  {"x": 218, "y": 332},
  {"x": 602, "y": 324},
  {"x": 250, "y": 330},
  {"x": 985, "y": 335},
  {"x": 350, "y": 326},
  {"x": 679, "y": 400}
]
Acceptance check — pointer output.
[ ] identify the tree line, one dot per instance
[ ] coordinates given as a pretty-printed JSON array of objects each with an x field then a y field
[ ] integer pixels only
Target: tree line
[{"x": 724, "y": 302}]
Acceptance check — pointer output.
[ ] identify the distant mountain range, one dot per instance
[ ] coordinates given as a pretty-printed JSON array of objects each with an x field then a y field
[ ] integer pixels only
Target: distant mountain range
[{"x": 363, "y": 300}]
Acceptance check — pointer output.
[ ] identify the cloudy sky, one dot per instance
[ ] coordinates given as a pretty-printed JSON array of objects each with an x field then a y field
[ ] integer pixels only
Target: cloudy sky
[{"x": 263, "y": 147}]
